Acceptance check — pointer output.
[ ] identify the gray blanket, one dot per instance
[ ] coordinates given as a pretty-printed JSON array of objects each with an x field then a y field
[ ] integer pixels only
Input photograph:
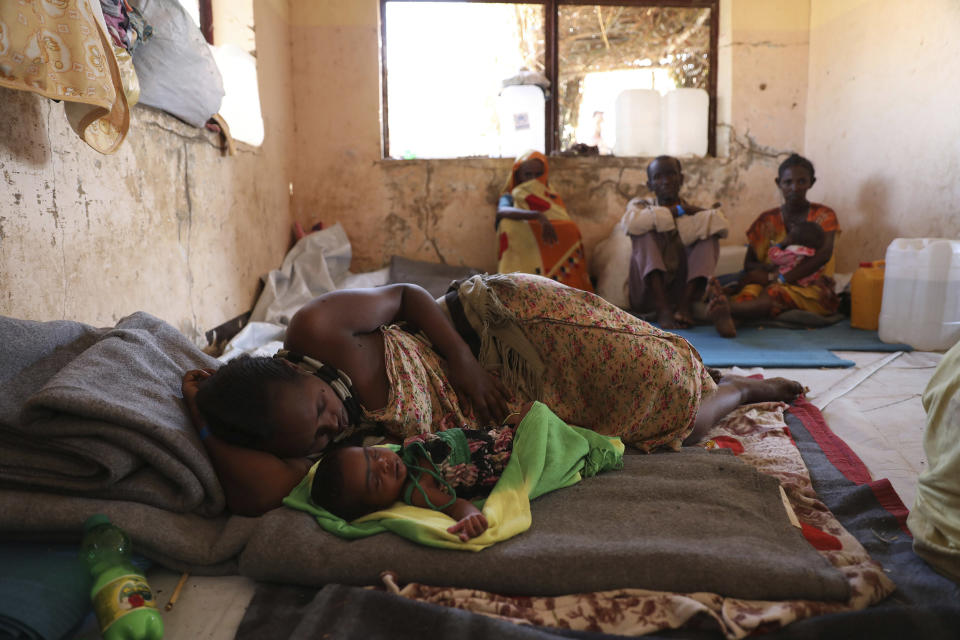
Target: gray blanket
[
  {"x": 92, "y": 421},
  {"x": 688, "y": 521},
  {"x": 97, "y": 412}
]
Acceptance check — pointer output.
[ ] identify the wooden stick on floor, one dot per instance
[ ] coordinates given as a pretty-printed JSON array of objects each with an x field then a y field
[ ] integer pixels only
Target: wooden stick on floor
[{"x": 176, "y": 591}]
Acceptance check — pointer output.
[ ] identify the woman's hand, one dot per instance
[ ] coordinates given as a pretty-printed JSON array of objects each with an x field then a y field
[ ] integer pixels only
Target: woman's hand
[
  {"x": 517, "y": 416},
  {"x": 189, "y": 387},
  {"x": 547, "y": 230},
  {"x": 191, "y": 384},
  {"x": 483, "y": 390}
]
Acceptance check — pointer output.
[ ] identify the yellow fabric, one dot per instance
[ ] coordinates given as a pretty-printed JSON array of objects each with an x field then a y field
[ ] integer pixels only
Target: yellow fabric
[
  {"x": 523, "y": 237},
  {"x": 791, "y": 296},
  {"x": 935, "y": 518},
  {"x": 60, "y": 49}
]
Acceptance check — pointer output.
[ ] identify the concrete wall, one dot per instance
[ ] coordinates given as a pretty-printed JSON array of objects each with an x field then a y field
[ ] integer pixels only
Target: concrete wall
[
  {"x": 882, "y": 125},
  {"x": 442, "y": 210},
  {"x": 171, "y": 226},
  {"x": 168, "y": 224}
]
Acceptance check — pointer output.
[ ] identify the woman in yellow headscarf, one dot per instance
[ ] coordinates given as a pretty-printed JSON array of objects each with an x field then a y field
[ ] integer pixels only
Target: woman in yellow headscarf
[{"x": 535, "y": 232}]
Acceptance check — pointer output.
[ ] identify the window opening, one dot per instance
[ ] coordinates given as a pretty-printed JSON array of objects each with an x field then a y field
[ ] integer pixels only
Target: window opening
[{"x": 471, "y": 78}]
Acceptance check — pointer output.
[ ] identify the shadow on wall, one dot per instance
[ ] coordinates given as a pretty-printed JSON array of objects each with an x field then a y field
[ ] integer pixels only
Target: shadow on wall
[
  {"x": 867, "y": 238},
  {"x": 24, "y": 133}
]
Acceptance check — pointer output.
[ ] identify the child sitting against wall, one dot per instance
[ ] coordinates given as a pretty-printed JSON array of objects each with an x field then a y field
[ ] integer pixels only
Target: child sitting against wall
[{"x": 442, "y": 471}]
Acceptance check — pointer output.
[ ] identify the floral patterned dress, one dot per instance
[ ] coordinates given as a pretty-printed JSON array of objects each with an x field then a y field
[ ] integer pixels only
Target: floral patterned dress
[
  {"x": 604, "y": 369},
  {"x": 466, "y": 462}
]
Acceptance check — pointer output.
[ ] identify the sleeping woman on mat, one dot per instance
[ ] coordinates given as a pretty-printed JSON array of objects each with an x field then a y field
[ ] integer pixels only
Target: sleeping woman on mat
[{"x": 487, "y": 348}]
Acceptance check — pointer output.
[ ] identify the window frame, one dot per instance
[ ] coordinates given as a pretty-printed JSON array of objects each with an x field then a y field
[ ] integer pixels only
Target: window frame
[
  {"x": 206, "y": 19},
  {"x": 551, "y": 63}
]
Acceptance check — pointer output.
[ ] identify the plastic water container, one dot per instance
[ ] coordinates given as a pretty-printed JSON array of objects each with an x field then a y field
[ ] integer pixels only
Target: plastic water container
[
  {"x": 866, "y": 293},
  {"x": 638, "y": 127},
  {"x": 685, "y": 122},
  {"x": 520, "y": 109},
  {"x": 921, "y": 293}
]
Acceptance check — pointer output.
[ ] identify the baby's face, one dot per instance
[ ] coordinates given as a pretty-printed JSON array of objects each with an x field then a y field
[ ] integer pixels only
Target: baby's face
[{"x": 372, "y": 476}]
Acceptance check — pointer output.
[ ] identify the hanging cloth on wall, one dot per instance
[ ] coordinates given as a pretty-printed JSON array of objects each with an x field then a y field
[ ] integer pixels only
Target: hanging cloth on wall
[{"x": 62, "y": 51}]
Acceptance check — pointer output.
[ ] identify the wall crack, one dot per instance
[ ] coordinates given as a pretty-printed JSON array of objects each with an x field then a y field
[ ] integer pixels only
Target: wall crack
[
  {"x": 187, "y": 220},
  {"x": 428, "y": 215}
]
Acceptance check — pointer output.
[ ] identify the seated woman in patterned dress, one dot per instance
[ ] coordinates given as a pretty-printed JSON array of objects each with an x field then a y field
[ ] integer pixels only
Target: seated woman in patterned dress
[
  {"x": 808, "y": 285},
  {"x": 534, "y": 230},
  {"x": 491, "y": 345}
]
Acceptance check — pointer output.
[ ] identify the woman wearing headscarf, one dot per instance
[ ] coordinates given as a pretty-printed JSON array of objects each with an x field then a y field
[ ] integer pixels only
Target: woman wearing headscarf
[{"x": 535, "y": 232}]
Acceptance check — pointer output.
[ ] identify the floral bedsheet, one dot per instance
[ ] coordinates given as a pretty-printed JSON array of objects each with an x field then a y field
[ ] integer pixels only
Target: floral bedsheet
[{"x": 758, "y": 435}]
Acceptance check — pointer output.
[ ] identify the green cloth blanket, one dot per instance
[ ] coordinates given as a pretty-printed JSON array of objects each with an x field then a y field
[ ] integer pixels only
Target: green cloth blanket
[{"x": 548, "y": 454}]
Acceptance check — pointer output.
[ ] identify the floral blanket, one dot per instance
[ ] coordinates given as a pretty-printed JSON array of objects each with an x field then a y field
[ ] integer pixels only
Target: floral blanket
[{"x": 758, "y": 435}]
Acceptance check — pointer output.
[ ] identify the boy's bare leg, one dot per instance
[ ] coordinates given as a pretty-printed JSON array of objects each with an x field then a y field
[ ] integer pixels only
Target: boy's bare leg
[
  {"x": 734, "y": 391},
  {"x": 661, "y": 302},
  {"x": 692, "y": 290}
]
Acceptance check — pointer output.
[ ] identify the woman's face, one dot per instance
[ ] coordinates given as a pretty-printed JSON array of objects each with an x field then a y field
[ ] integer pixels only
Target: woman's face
[
  {"x": 529, "y": 170},
  {"x": 307, "y": 415},
  {"x": 794, "y": 183}
]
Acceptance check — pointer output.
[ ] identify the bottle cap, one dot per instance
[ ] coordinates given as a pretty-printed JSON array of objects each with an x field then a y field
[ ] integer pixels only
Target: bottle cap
[{"x": 95, "y": 521}]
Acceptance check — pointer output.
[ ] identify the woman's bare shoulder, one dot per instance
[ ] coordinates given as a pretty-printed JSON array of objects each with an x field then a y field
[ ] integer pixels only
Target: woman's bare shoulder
[
  {"x": 341, "y": 320},
  {"x": 324, "y": 320}
]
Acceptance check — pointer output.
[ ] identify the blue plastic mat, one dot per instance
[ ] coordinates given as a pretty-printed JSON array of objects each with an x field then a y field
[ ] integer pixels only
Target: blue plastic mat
[{"x": 784, "y": 348}]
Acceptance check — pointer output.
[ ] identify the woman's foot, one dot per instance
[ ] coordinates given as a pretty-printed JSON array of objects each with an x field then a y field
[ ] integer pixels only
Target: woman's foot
[
  {"x": 718, "y": 309},
  {"x": 765, "y": 390}
]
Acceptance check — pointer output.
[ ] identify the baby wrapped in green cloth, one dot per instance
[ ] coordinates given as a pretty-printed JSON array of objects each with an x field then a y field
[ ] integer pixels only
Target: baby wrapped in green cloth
[{"x": 418, "y": 489}]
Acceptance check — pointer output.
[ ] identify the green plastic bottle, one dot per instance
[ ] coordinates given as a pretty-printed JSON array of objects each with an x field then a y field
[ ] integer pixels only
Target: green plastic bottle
[{"x": 125, "y": 606}]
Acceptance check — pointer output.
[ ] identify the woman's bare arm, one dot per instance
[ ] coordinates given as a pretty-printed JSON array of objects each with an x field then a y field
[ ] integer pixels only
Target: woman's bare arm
[
  {"x": 752, "y": 263},
  {"x": 812, "y": 263},
  {"x": 339, "y": 327},
  {"x": 470, "y": 521},
  {"x": 253, "y": 481},
  {"x": 513, "y": 213}
]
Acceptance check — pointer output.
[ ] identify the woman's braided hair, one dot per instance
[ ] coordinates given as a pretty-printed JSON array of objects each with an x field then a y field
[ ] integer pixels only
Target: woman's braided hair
[{"x": 235, "y": 400}]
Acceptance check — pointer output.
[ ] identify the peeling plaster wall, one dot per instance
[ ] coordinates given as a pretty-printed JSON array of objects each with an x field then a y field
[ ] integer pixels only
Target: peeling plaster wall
[
  {"x": 168, "y": 225},
  {"x": 442, "y": 210},
  {"x": 882, "y": 120}
]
